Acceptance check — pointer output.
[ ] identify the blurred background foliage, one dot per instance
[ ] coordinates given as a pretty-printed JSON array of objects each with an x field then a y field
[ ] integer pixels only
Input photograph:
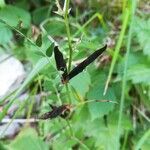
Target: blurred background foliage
[{"x": 125, "y": 26}]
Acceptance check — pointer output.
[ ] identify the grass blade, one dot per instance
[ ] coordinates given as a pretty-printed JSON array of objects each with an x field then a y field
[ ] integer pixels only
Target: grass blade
[
  {"x": 38, "y": 67},
  {"x": 142, "y": 140},
  {"x": 132, "y": 11},
  {"x": 117, "y": 49}
]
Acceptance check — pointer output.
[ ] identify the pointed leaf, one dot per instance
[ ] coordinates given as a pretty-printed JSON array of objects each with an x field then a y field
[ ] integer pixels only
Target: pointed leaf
[
  {"x": 49, "y": 51},
  {"x": 39, "y": 40}
]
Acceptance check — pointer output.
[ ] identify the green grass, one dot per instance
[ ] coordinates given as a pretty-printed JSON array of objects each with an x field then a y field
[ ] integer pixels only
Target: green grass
[{"x": 124, "y": 82}]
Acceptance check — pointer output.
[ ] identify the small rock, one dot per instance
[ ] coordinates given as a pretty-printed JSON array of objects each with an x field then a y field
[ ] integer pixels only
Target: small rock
[
  {"x": 11, "y": 71},
  {"x": 12, "y": 130}
]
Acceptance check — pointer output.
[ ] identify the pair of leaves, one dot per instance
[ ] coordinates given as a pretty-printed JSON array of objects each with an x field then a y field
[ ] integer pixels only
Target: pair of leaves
[{"x": 49, "y": 50}]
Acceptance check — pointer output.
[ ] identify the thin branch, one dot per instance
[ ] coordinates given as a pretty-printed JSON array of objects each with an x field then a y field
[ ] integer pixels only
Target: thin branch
[{"x": 31, "y": 120}]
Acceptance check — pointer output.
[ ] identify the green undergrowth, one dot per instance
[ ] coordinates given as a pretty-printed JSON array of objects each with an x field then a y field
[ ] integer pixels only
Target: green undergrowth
[{"x": 30, "y": 29}]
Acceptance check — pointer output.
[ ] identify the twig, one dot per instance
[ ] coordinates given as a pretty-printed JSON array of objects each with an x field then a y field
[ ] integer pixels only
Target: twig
[
  {"x": 31, "y": 120},
  {"x": 142, "y": 113}
]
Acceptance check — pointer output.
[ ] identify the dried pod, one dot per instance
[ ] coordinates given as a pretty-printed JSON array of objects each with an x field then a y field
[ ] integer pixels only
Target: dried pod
[
  {"x": 62, "y": 111},
  {"x": 60, "y": 62},
  {"x": 85, "y": 63}
]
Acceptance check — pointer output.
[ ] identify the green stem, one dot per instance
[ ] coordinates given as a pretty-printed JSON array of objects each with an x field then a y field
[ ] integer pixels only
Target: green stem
[
  {"x": 96, "y": 15},
  {"x": 68, "y": 34},
  {"x": 57, "y": 94},
  {"x": 30, "y": 104},
  {"x": 132, "y": 11},
  {"x": 124, "y": 4},
  {"x": 68, "y": 93},
  {"x": 80, "y": 142},
  {"x": 70, "y": 128},
  {"x": 125, "y": 140},
  {"x": 70, "y": 55},
  {"x": 118, "y": 46}
]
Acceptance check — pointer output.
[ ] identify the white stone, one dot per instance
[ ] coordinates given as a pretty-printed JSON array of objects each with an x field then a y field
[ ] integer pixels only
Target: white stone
[{"x": 11, "y": 70}]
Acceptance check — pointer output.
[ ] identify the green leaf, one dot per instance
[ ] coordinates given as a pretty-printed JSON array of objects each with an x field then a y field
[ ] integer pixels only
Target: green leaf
[
  {"x": 39, "y": 53},
  {"x": 89, "y": 44},
  {"x": 139, "y": 73},
  {"x": 49, "y": 50},
  {"x": 133, "y": 59},
  {"x": 102, "y": 135},
  {"x": 142, "y": 30},
  {"x": 13, "y": 15},
  {"x": 55, "y": 28},
  {"x": 81, "y": 83},
  {"x": 99, "y": 109},
  {"x": 40, "y": 14},
  {"x": 138, "y": 68},
  {"x": 28, "y": 140},
  {"x": 5, "y": 34},
  {"x": 39, "y": 40},
  {"x": 81, "y": 115},
  {"x": 2, "y": 146},
  {"x": 63, "y": 143}
]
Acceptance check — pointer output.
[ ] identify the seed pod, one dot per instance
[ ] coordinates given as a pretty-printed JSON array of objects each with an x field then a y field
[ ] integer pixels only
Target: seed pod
[
  {"x": 60, "y": 62},
  {"x": 61, "y": 111},
  {"x": 85, "y": 63}
]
